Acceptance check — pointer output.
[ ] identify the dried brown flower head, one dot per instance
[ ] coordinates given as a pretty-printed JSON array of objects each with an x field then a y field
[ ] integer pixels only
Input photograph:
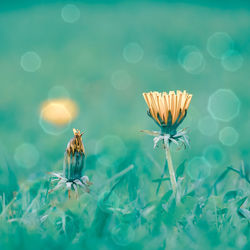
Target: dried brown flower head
[
  {"x": 75, "y": 144},
  {"x": 73, "y": 167}
]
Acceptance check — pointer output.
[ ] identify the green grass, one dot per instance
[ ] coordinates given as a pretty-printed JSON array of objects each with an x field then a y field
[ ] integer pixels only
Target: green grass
[{"x": 123, "y": 211}]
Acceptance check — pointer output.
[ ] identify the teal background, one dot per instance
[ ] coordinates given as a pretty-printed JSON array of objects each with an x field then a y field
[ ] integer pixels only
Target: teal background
[{"x": 83, "y": 58}]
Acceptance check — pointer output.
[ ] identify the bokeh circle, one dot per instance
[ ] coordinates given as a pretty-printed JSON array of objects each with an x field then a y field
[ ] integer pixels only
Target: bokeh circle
[
  {"x": 133, "y": 53},
  {"x": 198, "y": 168},
  {"x": 30, "y": 61},
  {"x": 232, "y": 60},
  {"x": 70, "y": 13},
  {"x": 26, "y": 155},
  {"x": 228, "y": 136},
  {"x": 56, "y": 115},
  {"x": 214, "y": 154},
  {"x": 218, "y": 44},
  {"x": 223, "y": 105},
  {"x": 191, "y": 59}
]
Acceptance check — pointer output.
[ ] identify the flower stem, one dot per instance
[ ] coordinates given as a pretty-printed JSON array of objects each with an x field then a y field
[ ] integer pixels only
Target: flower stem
[
  {"x": 162, "y": 175},
  {"x": 171, "y": 168}
]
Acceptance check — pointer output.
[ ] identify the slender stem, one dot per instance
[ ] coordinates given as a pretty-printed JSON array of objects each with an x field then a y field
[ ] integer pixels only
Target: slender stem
[
  {"x": 170, "y": 168},
  {"x": 162, "y": 175}
]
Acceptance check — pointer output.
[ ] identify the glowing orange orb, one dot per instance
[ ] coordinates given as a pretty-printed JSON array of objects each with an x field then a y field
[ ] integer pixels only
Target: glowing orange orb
[{"x": 59, "y": 111}]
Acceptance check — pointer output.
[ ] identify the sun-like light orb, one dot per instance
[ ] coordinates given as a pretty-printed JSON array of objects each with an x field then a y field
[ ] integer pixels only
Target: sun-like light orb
[
  {"x": 59, "y": 111},
  {"x": 57, "y": 114}
]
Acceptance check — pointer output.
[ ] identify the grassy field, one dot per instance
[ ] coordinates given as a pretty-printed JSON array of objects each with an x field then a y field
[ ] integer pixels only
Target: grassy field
[{"x": 103, "y": 56}]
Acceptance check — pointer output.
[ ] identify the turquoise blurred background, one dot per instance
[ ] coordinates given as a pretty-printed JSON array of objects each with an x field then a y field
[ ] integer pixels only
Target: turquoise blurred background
[{"x": 102, "y": 55}]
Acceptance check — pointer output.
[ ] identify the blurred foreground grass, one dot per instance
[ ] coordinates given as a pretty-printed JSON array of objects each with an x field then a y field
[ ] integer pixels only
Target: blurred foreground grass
[{"x": 124, "y": 212}]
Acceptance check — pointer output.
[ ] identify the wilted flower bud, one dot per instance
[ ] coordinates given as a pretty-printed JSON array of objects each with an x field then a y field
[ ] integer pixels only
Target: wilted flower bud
[
  {"x": 74, "y": 157},
  {"x": 73, "y": 166}
]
